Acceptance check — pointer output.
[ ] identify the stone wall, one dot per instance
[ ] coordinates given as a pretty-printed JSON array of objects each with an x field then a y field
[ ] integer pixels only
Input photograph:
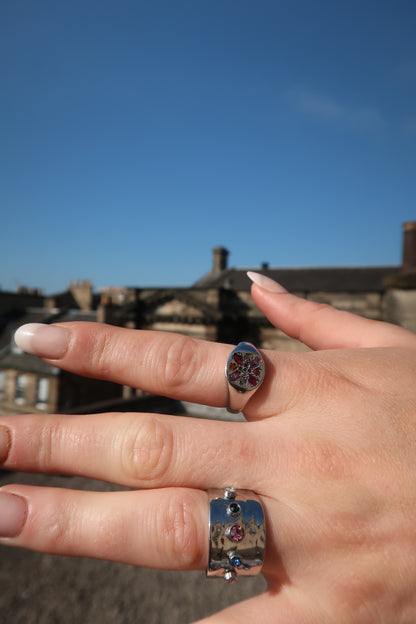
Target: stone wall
[
  {"x": 401, "y": 308},
  {"x": 28, "y": 403}
]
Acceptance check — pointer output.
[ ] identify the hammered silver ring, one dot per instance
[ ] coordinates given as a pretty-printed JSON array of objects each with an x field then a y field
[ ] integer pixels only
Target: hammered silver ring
[{"x": 237, "y": 534}]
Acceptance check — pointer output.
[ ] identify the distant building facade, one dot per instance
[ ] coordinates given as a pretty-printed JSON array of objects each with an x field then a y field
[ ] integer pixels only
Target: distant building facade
[
  {"x": 217, "y": 307},
  {"x": 28, "y": 384}
]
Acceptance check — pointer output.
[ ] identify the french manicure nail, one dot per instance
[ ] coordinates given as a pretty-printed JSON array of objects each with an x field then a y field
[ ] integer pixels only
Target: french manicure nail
[
  {"x": 13, "y": 512},
  {"x": 4, "y": 443},
  {"x": 265, "y": 282},
  {"x": 46, "y": 341}
]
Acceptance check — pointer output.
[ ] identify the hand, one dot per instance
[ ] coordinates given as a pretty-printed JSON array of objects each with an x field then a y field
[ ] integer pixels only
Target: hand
[{"x": 329, "y": 447}]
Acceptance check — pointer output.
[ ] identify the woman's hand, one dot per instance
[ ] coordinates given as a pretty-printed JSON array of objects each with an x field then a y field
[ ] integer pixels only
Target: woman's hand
[{"x": 329, "y": 447}]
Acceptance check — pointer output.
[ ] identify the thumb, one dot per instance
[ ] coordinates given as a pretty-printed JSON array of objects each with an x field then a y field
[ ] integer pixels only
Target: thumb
[{"x": 320, "y": 326}]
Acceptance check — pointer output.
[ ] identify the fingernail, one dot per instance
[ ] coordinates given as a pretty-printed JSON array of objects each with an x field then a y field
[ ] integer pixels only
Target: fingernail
[
  {"x": 265, "y": 282},
  {"x": 13, "y": 512},
  {"x": 46, "y": 341},
  {"x": 4, "y": 443}
]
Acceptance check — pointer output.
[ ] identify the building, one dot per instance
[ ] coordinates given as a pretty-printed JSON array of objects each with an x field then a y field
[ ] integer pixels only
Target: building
[
  {"x": 27, "y": 384},
  {"x": 217, "y": 307}
]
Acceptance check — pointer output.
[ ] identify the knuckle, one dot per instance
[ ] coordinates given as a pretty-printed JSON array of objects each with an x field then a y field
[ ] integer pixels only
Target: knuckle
[
  {"x": 180, "y": 528},
  {"x": 60, "y": 529},
  {"x": 180, "y": 363},
  {"x": 148, "y": 452},
  {"x": 57, "y": 532},
  {"x": 101, "y": 355},
  {"x": 46, "y": 443}
]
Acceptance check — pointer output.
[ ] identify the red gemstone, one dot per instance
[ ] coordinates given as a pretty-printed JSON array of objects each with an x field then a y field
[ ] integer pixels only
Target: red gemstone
[
  {"x": 252, "y": 380},
  {"x": 236, "y": 533},
  {"x": 238, "y": 359}
]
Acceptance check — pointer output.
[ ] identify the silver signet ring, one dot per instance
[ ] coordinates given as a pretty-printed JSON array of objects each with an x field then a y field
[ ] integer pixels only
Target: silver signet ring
[{"x": 244, "y": 373}]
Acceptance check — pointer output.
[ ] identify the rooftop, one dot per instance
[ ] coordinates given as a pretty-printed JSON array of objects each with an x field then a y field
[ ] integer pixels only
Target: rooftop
[{"x": 333, "y": 279}]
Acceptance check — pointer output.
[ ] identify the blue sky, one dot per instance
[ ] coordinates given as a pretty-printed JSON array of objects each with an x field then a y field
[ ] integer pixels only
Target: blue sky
[{"x": 136, "y": 136}]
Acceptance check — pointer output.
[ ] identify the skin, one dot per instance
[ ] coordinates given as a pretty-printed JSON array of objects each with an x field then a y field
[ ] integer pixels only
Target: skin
[{"x": 329, "y": 447}]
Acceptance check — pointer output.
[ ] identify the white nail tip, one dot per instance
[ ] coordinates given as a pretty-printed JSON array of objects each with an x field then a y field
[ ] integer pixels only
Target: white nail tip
[
  {"x": 24, "y": 335},
  {"x": 43, "y": 340},
  {"x": 265, "y": 282}
]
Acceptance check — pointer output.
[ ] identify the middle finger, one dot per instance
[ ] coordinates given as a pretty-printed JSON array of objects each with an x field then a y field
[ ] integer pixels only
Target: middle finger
[{"x": 139, "y": 450}]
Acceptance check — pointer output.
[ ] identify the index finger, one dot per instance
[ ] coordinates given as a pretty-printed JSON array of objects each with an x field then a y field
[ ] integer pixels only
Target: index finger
[{"x": 159, "y": 362}]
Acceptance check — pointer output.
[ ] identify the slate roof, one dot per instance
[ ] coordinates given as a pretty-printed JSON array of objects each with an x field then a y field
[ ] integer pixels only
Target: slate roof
[{"x": 327, "y": 279}]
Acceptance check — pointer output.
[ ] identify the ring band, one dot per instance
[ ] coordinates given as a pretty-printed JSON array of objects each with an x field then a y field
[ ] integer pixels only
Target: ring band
[
  {"x": 237, "y": 534},
  {"x": 244, "y": 373}
]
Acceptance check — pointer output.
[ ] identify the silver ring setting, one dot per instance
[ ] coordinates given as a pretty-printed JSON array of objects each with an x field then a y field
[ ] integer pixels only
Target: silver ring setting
[
  {"x": 237, "y": 534},
  {"x": 244, "y": 372}
]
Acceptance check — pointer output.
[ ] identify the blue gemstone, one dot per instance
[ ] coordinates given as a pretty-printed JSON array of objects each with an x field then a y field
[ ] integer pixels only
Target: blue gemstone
[
  {"x": 234, "y": 509},
  {"x": 236, "y": 562}
]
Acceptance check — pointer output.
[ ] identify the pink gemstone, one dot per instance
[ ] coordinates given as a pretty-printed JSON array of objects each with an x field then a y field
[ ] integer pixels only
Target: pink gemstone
[
  {"x": 252, "y": 380},
  {"x": 238, "y": 359},
  {"x": 236, "y": 533}
]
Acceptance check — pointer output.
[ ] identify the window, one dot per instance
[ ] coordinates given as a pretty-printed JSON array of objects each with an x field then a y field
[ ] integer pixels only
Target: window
[
  {"x": 20, "y": 390},
  {"x": 42, "y": 393},
  {"x": 2, "y": 384}
]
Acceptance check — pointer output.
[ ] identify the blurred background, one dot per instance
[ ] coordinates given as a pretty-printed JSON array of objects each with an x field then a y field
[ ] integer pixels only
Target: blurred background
[{"x": 150, "y": 153}]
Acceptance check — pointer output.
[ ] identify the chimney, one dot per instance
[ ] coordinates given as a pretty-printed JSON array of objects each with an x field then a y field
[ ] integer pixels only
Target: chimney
[
  {"x": 409, "y": 246},
  {"x": 81, "y": 290},
  {"x": 220, "y": 259}
]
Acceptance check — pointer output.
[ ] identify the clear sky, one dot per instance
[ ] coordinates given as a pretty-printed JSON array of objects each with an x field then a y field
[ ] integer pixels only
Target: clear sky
[{"x": 136, "y": 136}]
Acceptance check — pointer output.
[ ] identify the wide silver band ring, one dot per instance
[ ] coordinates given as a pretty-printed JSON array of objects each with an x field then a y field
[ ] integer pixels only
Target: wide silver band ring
[
  {"x": 244, "y": 373},
  {"x": 237, "y": 534}
]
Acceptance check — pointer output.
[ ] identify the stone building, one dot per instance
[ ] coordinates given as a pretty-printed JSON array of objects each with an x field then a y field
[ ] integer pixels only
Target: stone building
[
  {"x": 217, "y": 307},
  {"x": 27, "y": 384}
]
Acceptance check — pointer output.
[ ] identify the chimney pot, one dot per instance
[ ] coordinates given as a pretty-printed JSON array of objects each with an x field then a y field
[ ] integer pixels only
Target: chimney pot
[
  {"x": 220, "y": 260},
  {"x": 409, "y": 246}
]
